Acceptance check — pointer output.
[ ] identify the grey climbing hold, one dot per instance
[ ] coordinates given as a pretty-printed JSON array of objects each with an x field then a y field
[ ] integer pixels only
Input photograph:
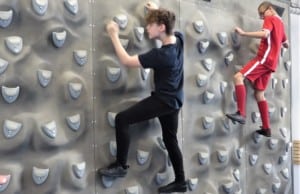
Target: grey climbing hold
[
  {"x": 59, "y": 38},
  {"x": 39, "y": 175},
  {"x": 44, "y": 77},
  {"x": 113, "y": 148},
  {"x": 201, "y": 80},
  {"x": 14, "y": 44},
  {"x": 142, "y": 157},
  {"x": 198, "y": 26},
  {"x": 80, "y": 57},
  {"x": 74, "y": 122},
  {"x": 6, "y": 18},
  {"x": 111, "y": 118},
  {"x": 202, "y": 45},
  {"x": 132, "y": 190},
  {"x": 11, "y": 128},
  {"x": 253, "y": 159},
  {"x": 40, "y": 6},
  {"x": 113, "y": 74},
  {"x": 203, "y": 157},
  {"x": 3, "y": 65},
  {"x": 10, "y": 95},
  {"x": 79, "y": 169},
  {"x": 192, "y": 183},
  {"x": 121, "y": 20},
  {"x": 72, "y": 6},
  {"x": 139, "y": 33},
  {"x": 50, "y": 129},
  {"x": 75, "y": 89}
]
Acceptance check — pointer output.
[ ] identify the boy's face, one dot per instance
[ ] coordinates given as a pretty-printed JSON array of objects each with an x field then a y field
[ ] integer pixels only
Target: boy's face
[
  {"x": 263, "y": 12},
  {"x": 154, "y": 30}
]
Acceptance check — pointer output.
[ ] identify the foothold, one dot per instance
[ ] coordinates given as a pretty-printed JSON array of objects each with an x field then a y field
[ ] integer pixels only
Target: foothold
[
  {"x": 268, "y": 168},
  {"x": 3, "y": 65},
  {"x": 111, "y": 118},
  {"x": 80, "y": 57},
  {"x": 113, "y": 74},
  {"x": 44, "y": 77},
  {"x": 6, "y": 18},
  {"x": 222, "y": 155},
  {"x": 287, "y": 65},
  {"x": 223, "y": 86},
  {"x": 132, "y": 190},
  {"x": 113, "y": 148},
  {"x": 272, "y": 143},
  {"x": 255, "y": 116},
  {"x": 11, "y": 128},
  {"x": 40, "y": 6},
  {"x": 14, "y": 44},
  {"x": 202, "y": 45},
  {"x": 39, "y": 175},
  {"x": 75, "y": 89},
  {"x": 192, "y": 183},
  {"x": 161, "y": 177},
  {"x": 72, "y": 6},
  {"x": 198, "y": 26},
  {"x": 121, "y": 20},
  {"x": 139, "y": 33},
  {"x": 228, "y": 187},
  {"x": 5, "y": 180},
  {"x": 207, "y": 122},
  {"x": 253, "y": 159},
  {"x": 50, "y": 129},
  {"x": 74, "y": 122},
  {"x": 223, "y": 37},
  {"x": 107, "y": 181},
  {"x": 236, "y": 174},
  {"x": 59, "y": 38},
  {"x": 208, "y": 64},
  {"x": 145, "y": 73},
  {"x": 285, "y": 173},
  {"x": 10, "y": 95},
  {"x": 276, "y": 187},
  {"x": 142, "y": 157},
  {"x": 79, "y": 169},
  {"x": 208, "y": 97},
  {"x": 229, "y": 58},
  {"x": 201, "y": 80},
  {"x": 274, "y": 83},
  {"x": 285, "y": 83},
  {"x": 203, "y": 157}
]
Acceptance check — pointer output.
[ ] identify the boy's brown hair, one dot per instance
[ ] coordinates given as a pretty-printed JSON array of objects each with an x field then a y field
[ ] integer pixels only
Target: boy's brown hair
[
  {"x": 265, "y": 5},
  {"x": 162, "y": 16}
]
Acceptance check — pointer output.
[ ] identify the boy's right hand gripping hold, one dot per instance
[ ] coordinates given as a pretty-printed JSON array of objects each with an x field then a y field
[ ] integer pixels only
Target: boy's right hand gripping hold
[{"x": 150, "y": 5}]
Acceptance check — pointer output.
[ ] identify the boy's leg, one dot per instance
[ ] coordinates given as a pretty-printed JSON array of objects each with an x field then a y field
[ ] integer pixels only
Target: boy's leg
[
  {"x": 169, "y": 124},
  {"x": 148, "y": 108},
  {"x": 240, "y": 92},
  {"x": 261, "y": 84}
]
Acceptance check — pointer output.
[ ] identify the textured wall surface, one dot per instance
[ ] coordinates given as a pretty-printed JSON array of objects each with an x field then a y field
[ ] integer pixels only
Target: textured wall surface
[{"x": 62, "y": 85}]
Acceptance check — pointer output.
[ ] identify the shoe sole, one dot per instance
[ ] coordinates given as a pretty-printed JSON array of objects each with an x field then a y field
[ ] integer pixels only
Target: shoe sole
[
  {"x": 263, "y": 134},
  {"x": 243, "y": 122},
  {"x": 111, "y": 175},
  {"x": 178, "y": 190}
]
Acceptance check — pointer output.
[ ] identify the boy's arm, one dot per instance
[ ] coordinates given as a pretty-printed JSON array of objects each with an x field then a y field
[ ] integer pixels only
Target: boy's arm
[
  {"x": 126, "y": 59},
  {"x": 257, "y": 34}
]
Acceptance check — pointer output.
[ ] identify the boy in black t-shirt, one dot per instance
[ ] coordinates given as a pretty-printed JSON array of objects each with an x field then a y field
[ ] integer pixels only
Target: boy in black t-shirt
[{"x": 164, "y": 102}]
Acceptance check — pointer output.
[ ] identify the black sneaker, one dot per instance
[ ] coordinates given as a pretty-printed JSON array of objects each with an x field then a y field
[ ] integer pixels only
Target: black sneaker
[
  {"x": 173, "y": 187},
  {"x": 264, "y": 132},
  {"x": 113, "y": 170},
  {"x": 237, "y": 117}
]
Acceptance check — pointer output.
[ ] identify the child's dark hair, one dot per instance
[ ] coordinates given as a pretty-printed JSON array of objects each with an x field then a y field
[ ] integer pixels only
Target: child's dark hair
[{"x": 162, "y": 16}]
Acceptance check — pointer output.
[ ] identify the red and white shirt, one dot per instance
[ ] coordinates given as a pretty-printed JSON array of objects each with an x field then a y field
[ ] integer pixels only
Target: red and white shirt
[{"x": 270, "y": 47}]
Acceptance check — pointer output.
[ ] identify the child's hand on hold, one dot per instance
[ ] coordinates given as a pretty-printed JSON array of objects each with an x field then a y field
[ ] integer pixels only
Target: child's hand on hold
[
  {"x": 239, "y": 31},
  {"x": 112, "y": 28},
  {"x": 150, "y": 5}
]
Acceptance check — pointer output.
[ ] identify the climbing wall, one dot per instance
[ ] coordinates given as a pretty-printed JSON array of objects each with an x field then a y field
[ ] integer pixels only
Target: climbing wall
[{"x": 62, "y": 85}]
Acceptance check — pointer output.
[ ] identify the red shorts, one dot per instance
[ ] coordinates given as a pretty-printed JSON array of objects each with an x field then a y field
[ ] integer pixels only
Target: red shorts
[{"x": 257, "y": 73}]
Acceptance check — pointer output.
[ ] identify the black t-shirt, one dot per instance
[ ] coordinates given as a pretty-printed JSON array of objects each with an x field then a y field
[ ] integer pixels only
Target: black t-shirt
[{"x": 167, "y": 64}]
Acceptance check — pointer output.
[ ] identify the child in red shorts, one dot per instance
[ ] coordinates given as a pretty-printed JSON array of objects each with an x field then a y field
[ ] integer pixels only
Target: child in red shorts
[{"x": 258, "y": 70}]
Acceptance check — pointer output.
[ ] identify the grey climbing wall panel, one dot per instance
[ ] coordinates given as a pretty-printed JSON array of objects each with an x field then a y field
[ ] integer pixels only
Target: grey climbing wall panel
[{"x": 62, "y": 85}]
